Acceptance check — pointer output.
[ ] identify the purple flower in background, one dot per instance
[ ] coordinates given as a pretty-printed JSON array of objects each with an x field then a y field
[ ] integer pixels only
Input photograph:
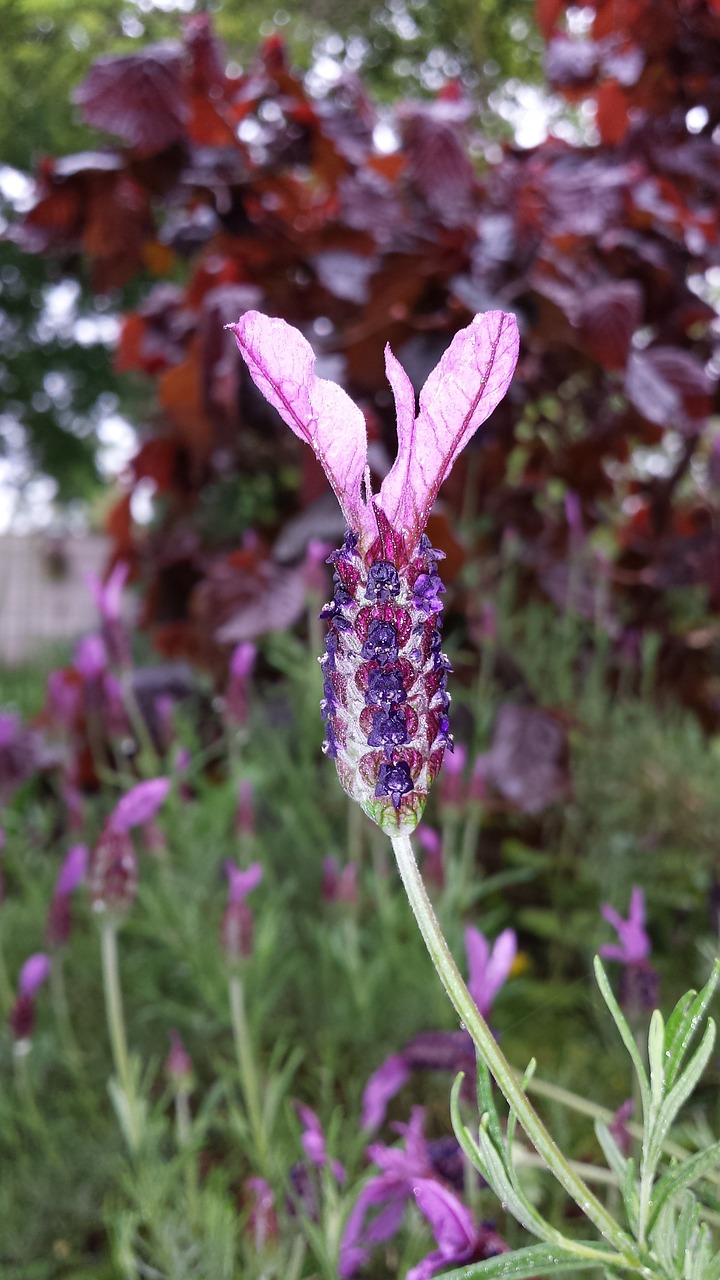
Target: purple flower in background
[
  {"x": 489, "y": 967},
  {"x": 314, "y": 1145},
  {"x": 379, "y": 1209},
  {"x": 382, "y": 1086},
  {"x": 433, "y": 867},
  {"x": 634, "y": 943},
  {"x": 108, "y": 599},
  {"x": 33, "y": 974},
  {"x": 385, "y": 701},
  {"x": 73, "y": 870},
  {"x": 58, "y": 925},
  {"x": 113, "y": 872},
  {"x": 639, "y": 986},
  {"x": 178, "y": 1064},
  {"x": 90, "y": 659},
  {"x": 339, "y": 885},
  {"x": 236, "y": 693},
  {"x": 456, "y": 1234},
  {"x": 19, "y": 754},
  {"x": 139, "y": 804},
  {"x": 236, "y": 930},
  {"x": 245, "y": 810},
  {"x": 262, "y": 1220}
]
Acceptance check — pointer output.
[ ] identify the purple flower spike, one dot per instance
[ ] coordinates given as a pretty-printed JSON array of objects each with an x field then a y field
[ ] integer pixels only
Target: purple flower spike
[
  {"x": 73, "y": 870},
  {"x": 34, "y": 972},
  {"x": 236, "y": 694},
  {"x": 385, "y": 701},
  {"x": 489, "y": 967},
  {"x": 139, "y": 805},
  {"x": 634, "y": 946},
  {"x": 108, "y": 594}
]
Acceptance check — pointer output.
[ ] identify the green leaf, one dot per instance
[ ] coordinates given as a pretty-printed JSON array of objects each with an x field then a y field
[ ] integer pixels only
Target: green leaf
[
  {"x": 656, "y": 1059},
  {"x": 682, "y": 1176},
  {"x": 610, "y": 1149},
  {"x": 680, "y": 1093},
  {"x": 536, "y": 1260},
  {"x": 462, "y": 1133},
  {"x": 630, "y": 1196},
  {"x": 625, "y": 1032},
  {"x": 684, "y": 1022},
  {"x": 486, "y": 1104}
]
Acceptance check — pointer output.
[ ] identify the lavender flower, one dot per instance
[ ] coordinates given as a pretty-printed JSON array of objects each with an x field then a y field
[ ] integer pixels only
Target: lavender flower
[
  {"x": 314, "y": 1145},
  {"x": 456, "y": 1234},
  {"x": 178, "y": 1064},
  {"x": 139, "y": 804},
  {"x": 489, "y": 966},
  {"x": 33, "y": 974},
  {"x": 236, "y": 930},
  {"x": 108, "y": 598},
  {"x": 236, "y": 693},
  {"x": 639, "y": 987},
  {"x": 58, "y": 925},
  {"x": 385, "y": 700}
]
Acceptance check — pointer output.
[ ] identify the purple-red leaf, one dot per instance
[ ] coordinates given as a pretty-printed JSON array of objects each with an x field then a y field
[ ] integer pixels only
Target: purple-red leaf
[
  {"x": 138, "y": 97},
  {"x": 669, "y": 387}
]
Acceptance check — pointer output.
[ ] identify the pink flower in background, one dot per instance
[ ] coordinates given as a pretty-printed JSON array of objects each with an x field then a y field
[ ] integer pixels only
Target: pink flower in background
[
  {"x": 339, "y": 885},
  {"x": 489, "y": 967},
  {"x": 314, "y": 1145},
  {"x": 139, "y": 805},
  {"x": 245, "y": 810},
  {"x": 634, "y": 943},
  {"x": 238, "y": 686},
  {"x": 314, "y": 569},
  {"x": 58, "y": 925},
  {"x": 178, "y": 1064},
  {"x": 639, "y": 984},
  {"x": 236, "y": 930},
  {"x": 433, "y": 867},
  {"x": 113, "y": 873},
  {"x": 90, "y": 659},
  {"x": 385, "y": 700},
  {"x": 108, "y": 594},
  {"x": 33, "y": 974},
  {"x": 262, "y": 1221},
  {"x": 452, "y": 780}
]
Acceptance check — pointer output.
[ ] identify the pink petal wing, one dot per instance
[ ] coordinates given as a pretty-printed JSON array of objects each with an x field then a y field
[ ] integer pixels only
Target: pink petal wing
[
  {"x": 502, "y": 958},
  {"x": 460, "y": 393},
  {"x": 282, "y": 366},
  {"x": 451, "y": 1222}
]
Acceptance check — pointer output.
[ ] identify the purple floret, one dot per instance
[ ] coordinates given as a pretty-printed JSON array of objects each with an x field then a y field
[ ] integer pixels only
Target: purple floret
[
  {"x": 383, "y": 581},
  {"x": 382, "y": 642},
  {"x": 394, "y": 780}
]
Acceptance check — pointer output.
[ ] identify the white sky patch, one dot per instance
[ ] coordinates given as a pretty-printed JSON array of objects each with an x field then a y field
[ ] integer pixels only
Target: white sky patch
[{"x": 118, "y": 444}]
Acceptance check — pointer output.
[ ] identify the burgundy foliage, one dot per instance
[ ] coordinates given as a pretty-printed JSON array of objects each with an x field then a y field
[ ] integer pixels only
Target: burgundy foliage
[{"x": 253, "y": 194}]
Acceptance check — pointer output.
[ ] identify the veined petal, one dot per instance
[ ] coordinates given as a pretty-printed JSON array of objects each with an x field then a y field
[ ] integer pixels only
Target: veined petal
[
  {"x": 460, "y": 393},
  {"x": 282, "y": 366}
]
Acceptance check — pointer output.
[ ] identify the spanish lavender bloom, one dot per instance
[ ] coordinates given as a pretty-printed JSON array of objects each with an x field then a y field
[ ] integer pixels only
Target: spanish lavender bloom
[
  {"x": 236, "y": 693},
  {"x": 384, "y": 1083},
  {"x": 33, "y": 974},
  {"x": 58, "y": 925},
  {"x": 139, "y": 804},
  {"x": 108, "y": 598},
  {"x": 385, "y": 701},
  {"x": 236, "y": 930},
  {"x": 262, "y": 1220},
  {"x": 457, "y": 1236},
  {"x": 178, "y": 1064},
  {"x": 640, "y": 982},
  {"x": 113, "y": 872},
  {"x": 634, "y": 942},
  {"x": 314, "y": 1145},
  {"x": 489, "y": 967}
]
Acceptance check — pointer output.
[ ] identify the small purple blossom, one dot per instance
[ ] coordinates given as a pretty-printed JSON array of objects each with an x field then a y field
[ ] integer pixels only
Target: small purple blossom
[
  {"x": 241, "y": 883},
  {"x": 456, "y": 1234},
  {"x": 488, "y": 966},
  {"x": 314, "y": 1144},
  {"x": 90, "y": 659},
  {"x": 383, "y": 1084},
  {"x": 237, "y": 691},
  {"x": 178, "y": 1064},
  {"x": 634, "y": 943},
  {"x": 237, "y": 928},
  {"x": 73, "y": 870},
  {"x": 108, "y": 594},
  {"x": 139, "y": 804},
  {"x": 34, "y": 973},
  {"x": 339, "y": 885}
]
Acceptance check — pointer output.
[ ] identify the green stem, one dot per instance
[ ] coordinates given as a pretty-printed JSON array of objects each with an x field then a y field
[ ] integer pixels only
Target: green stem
[
  {"x": 496, "y": 1062},
  {"x": 116, "y": 1030},
  {"x": 246, "y": 1065},
  {"x": 62, "y": 1013}
]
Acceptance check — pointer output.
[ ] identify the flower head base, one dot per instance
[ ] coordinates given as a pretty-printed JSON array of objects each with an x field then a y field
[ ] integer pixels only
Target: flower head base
[{"x": 385, "y": 701}]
